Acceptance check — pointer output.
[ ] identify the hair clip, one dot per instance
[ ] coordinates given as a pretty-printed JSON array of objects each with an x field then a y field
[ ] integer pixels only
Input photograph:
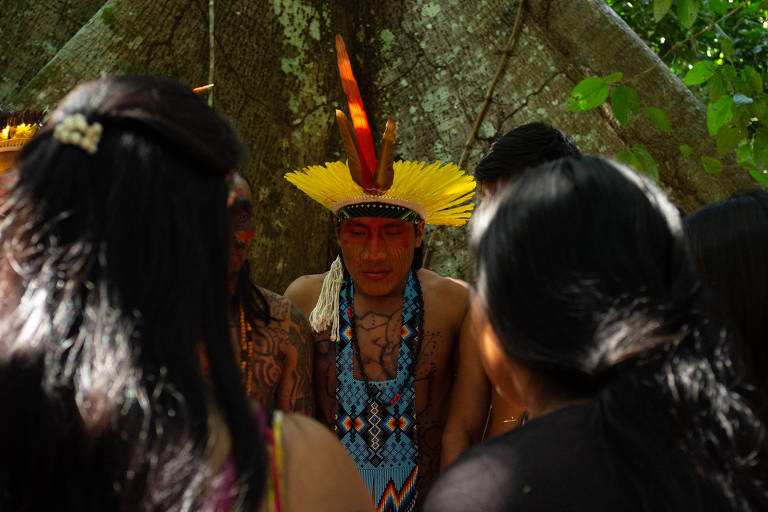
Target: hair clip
[{"x": 75, "y": 130}]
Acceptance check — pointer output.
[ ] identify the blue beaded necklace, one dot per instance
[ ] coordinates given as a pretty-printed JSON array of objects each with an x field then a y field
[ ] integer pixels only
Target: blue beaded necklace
[{"x": 375, "y": 420}]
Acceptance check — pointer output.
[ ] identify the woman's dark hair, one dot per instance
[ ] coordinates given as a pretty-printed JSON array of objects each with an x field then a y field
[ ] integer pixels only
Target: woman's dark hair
[
  {"x": 585, "y": 277},
  {"x": 250, "y": 297},
  {"x": 528, "y": 145},
  {"x": 418, "y": 257},
  {"x": 114, "y": 280},
  {"x": 729, "y": 245}
]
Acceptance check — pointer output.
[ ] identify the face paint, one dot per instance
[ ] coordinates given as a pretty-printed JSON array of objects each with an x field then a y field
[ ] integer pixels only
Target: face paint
[
  {"x": 243, "y": 226},
  {"x": 378, "y": 252}
]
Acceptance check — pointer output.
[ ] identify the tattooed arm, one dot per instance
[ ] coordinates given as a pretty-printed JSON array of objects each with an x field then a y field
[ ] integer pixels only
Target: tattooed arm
[
  {"x": 303, "y": 293},
  {"x": 288, "y": 349},
  {"x": 295, "y": 392}
]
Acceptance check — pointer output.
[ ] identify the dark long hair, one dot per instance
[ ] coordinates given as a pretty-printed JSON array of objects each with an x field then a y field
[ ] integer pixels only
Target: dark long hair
[
  {"x": 729, "y": 244},
  {"x": 114, "y": 276},
  {"x": 251, "y": 299},
  {"x": 528, "y": 145},
  {"x": 585, "y": 276}
]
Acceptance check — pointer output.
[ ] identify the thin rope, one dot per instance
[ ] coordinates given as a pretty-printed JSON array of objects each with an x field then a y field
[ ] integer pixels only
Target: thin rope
[
  {"x": 488, "y": 96},
  {"x": 211, "y": 49}
]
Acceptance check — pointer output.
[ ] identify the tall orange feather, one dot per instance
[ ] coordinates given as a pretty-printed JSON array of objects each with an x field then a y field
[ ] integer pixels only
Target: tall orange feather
[{"x": 359, "y": 119}]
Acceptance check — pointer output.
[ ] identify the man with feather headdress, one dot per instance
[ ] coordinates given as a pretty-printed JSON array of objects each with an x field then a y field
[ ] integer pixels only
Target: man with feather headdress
[
  {"x": 16, "y": 129},
  {"x": 385, "y": 328}
]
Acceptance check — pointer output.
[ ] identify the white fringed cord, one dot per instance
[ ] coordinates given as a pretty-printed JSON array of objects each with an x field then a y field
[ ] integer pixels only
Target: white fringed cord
[{"x": 326, "y": 310}]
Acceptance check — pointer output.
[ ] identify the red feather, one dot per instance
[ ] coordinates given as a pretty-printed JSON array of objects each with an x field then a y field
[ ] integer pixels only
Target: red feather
[{"x": 359, "y": 119}]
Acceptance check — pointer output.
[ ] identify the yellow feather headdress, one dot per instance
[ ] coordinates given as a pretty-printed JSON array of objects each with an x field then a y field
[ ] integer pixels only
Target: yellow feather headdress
[
  {"x": 437, "y": 193},
  {"x": 16, "y": 129}
]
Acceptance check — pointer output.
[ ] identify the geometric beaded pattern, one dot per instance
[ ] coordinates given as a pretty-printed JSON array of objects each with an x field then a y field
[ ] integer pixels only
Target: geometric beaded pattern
[
  {"x": 379, "y": 432},
  {"x": 373, "y": 209}
]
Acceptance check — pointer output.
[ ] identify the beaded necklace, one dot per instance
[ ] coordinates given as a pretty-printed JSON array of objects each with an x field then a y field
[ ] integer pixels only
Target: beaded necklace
[
  {"x": 246, "y": 353},
  {"x": 375, "y": 420},
  {"x": 373, "y": 392}
]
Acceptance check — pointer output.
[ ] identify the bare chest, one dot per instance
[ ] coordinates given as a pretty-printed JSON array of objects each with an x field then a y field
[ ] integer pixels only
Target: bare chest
[
  {"x": 378, "y": 343},
  {"x": 379, "y": 337}
]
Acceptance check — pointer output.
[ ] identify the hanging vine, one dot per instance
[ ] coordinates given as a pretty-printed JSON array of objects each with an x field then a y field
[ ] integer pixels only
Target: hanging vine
[{"x": 510, "y": 47}]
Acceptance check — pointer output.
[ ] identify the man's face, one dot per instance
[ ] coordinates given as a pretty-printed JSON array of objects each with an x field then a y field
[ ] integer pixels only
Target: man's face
[
  {"x": 243, "y": 227},
  {"x": 378, "y": 252}
]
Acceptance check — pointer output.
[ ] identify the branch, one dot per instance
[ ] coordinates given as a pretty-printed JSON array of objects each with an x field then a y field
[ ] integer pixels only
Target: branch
[
  {"x": 499, "y": 72},
  {"x": 211, "y": 49},
  {"x": 496, "y": 78}
]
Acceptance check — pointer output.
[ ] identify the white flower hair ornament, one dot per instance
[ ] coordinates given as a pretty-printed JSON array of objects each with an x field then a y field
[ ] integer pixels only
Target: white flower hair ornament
[{"x": 75, "y": 130}]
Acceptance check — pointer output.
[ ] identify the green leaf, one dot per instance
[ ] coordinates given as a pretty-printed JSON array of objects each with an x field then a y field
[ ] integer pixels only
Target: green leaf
[
  {"x": 629, "y": 158},
  {"x": 744, "y": 153},
  {"x": 588, "y": 94},
  {"x": 753, "y": 80},
  {"x": 716, "y": 86},
  {"x": 686, "y": 12},
  {"x": 613, "y": 77},
  {"x": 726, "y": 45},
  {"x": 647, "y": 163},
  {"x": 741, "y": 115},
  {"x": 760, "y": 176},
  {"x": 728, "y": 137},
  {"x": 624, "y": 103},
  {"x": 686, "y": 150},
  {"x": 660, "y": 8},
  {"x": 719, "y": 6},
  {"x": 699, "y": 73},
  {"x": 760, "y": 110},
  {"x": 719, "y": 113},
  {"x": 760, "y": 148},
  {"x": 729, "y": 73},
  {"x": 712, "y": 165},
  {"x": 740, "y": 99},
  {"x": 659, "y": 118}
]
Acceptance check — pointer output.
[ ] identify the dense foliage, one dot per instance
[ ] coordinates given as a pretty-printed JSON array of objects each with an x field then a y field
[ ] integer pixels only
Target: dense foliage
[{"x": 719, "y": 48}]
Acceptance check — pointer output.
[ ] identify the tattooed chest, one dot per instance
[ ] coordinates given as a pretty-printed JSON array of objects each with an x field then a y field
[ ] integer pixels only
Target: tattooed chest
[
  {"x": 261, "y": 364},
  {"x": 378, "y": 342}
]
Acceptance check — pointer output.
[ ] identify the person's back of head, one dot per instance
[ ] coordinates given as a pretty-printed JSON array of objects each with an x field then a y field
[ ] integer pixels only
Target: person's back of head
[
  {"x": 729, "y": 245},
  {"x": 585, "y": 278},
  {"x": 116, "y": 238},
  {"x": 526, "y": 146}
]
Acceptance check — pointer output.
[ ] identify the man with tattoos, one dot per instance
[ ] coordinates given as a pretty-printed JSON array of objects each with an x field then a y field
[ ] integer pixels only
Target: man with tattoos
[
  {"x": 273, "y": 338},
  {"x": 385, "y": 329}
]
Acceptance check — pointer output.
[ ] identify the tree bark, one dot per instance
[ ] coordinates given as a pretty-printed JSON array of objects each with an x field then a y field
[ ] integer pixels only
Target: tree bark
[
  {"x": 427, "y": 63},
  {"x": 32, "y": 32}
]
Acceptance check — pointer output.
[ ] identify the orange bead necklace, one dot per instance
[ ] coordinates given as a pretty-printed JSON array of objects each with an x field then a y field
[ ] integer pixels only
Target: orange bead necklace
[{"x": 246, "y": 353}]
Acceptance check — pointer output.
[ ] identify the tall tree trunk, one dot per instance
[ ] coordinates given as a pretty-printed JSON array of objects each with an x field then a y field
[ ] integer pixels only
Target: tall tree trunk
[
  {"x": 32, "y": 32},
  {"x": 427, "y": 63}
]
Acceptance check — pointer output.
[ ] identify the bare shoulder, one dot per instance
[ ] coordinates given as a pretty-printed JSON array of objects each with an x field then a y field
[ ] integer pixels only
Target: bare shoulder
[
  {"x": 279, "y": 306},
  {"x": 445, "y": 291},
  {"x": 289, "y": 318},
  {"x": 308, "y": 483},
  {"x": 304, "y": 291}
]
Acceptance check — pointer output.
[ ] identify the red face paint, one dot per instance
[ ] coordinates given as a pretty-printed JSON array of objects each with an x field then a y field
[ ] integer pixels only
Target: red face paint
[
  {"x": 378, "y": 253},
  {"x": 242, "y": 224}
]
